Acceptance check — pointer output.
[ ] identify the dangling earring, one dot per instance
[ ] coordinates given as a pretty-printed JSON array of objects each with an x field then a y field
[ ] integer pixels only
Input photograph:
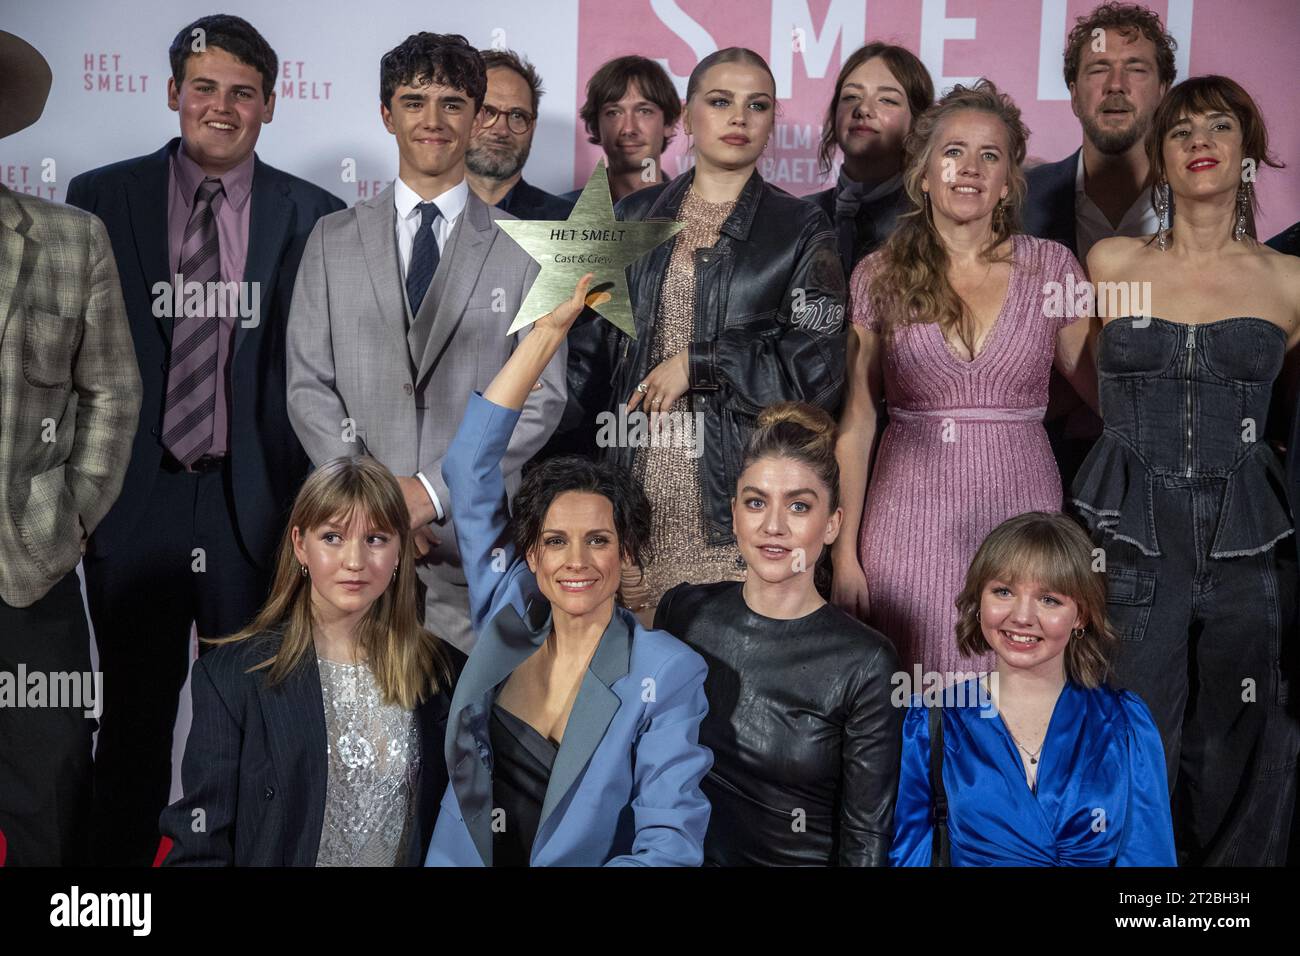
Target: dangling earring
[
  {"x": 1243, "y": 207},
  {"x": 1162, "y": 212},
  {"x": 999, "y": 215},
  {"x": 303, "y": 568},
  {"x": 929, "y": 212},
  {"x": 394, "y": 574}
]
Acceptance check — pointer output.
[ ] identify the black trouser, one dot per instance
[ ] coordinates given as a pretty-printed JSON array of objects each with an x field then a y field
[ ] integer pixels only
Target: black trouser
[
  {"x": 1202, "y": 641},
  {"x": 143, "y": 596},
  {"x": 45, "y": 750}
]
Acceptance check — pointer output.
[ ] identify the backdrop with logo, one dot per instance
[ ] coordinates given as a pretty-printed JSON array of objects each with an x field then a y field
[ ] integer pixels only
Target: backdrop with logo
[{"x": 110, "y": 73}]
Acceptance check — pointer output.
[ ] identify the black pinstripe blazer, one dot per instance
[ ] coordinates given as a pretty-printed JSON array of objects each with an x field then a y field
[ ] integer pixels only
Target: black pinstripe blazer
[{"x": 254, "y": 772}]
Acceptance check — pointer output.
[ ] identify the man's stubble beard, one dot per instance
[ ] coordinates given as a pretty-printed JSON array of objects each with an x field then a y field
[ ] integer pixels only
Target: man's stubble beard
[
  {"x": 490, "y": 164},
  {"x": 1117, "y": 142}
]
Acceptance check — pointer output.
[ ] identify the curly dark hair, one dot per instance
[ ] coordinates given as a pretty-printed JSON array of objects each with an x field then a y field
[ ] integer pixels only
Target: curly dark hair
[
  {"x": 445, "y": 58},
  {"x": 555, "y": 476},
  {"x": 1127, "y": 19},
  {"x": 234, "y": 35}
]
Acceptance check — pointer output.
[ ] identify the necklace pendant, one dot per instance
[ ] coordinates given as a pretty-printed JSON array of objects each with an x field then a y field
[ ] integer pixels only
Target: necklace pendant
[{"x": 1033, "y": 760}]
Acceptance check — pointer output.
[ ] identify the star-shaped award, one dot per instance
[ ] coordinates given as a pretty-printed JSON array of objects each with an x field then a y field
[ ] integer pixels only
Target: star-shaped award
[{"x": 590, "y": 240}]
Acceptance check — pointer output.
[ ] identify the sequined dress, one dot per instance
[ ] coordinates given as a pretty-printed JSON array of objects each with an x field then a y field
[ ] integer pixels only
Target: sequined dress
[
  {"x": 670, "y": 475},
  {"x": 964, "y": 450},
  {"x": 373, "y": 770}
]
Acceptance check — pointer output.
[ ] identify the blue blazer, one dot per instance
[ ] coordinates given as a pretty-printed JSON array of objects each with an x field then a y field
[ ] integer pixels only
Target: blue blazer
[
  {"x": 625, "y": 787},
  {"x": 1049, "y": 204}
]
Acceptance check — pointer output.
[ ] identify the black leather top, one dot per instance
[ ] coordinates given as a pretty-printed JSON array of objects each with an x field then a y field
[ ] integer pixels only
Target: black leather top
[{"x": 805, "y": 738}]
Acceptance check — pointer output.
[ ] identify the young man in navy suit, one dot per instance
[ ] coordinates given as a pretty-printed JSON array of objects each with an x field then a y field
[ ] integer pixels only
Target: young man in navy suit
[
  {"x": 1119, "y": 62},
  {"x": 215, "y": 463}
]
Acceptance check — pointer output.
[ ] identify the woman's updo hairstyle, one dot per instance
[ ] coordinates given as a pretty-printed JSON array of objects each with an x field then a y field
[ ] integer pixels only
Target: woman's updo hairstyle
[{"x": 802, "y": 433}]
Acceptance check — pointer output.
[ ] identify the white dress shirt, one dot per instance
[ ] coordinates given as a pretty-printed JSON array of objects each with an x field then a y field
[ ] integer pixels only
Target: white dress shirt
[
  {"x": 451, "y": 204},
  {"x": 1091, "y": 224}
]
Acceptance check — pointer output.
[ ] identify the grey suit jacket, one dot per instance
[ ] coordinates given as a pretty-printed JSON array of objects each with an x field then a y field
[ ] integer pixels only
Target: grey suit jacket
[
  {"x": 356, "y": 385},
  {"x": 69, "y": 390}
]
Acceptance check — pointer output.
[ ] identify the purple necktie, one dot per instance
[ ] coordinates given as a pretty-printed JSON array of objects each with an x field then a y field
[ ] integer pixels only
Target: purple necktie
[{"x": 189, "y": 409}]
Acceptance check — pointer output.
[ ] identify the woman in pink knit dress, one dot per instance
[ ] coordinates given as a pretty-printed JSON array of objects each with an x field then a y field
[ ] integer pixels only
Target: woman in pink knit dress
[{"x": 957, "y": 322}]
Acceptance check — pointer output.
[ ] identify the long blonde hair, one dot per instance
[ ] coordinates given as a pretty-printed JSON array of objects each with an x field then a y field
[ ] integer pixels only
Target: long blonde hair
[
  {"x": 909, "y": 284},
  {"x": 409, "y": 663}
]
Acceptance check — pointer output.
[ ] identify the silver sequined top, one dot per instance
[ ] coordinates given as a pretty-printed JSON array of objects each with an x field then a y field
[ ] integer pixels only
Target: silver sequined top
[{"x": 374, "y": 767}]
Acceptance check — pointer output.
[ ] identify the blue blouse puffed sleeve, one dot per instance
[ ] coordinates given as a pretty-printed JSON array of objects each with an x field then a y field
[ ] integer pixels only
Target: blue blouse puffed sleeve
[
  {"x": 1148, "y": 838},
  {"x": 913, "y": 818}
]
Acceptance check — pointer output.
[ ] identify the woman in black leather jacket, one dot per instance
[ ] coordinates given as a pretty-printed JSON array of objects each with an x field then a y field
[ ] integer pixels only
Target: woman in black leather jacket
[
  {"x": 742, "y": 308},
  {"x": 804, "y": 734}
]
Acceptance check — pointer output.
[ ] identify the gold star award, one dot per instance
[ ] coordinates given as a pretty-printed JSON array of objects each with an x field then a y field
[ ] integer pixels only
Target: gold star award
[{"x": 590, "y": 240}]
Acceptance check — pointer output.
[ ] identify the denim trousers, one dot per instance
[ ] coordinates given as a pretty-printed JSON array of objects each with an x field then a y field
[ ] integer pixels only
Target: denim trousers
[{"x": 1210, "y": 644}]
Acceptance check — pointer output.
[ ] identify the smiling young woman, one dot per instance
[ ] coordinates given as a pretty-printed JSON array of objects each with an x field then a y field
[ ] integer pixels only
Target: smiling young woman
[{"x": 1041, "y": 763}]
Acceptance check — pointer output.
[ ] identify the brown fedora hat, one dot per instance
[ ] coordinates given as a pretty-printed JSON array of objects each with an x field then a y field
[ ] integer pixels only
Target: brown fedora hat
[{"x": 25, "y": 80}]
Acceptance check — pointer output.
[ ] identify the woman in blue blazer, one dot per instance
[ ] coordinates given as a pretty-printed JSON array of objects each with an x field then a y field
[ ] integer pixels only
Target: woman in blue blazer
[{"x": 573, "y": 736}]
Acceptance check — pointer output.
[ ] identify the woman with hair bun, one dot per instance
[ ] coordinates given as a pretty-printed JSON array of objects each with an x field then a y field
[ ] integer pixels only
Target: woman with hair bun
[{"x": 803, "y": 733}]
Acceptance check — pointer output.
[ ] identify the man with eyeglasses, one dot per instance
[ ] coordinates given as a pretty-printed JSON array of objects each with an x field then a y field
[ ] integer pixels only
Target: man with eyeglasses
[{"x": 503, "y": 137}]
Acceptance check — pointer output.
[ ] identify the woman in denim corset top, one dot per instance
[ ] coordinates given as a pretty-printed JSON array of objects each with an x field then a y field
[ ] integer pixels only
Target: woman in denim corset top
[{"x": 1183, "y": 490}]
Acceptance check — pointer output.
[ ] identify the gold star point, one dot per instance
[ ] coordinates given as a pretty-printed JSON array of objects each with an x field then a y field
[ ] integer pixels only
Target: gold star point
[{"x": 590, "y": 240}]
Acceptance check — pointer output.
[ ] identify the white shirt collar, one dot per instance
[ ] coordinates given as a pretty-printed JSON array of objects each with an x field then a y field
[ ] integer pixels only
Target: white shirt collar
[{"x": 451, "y": 203}]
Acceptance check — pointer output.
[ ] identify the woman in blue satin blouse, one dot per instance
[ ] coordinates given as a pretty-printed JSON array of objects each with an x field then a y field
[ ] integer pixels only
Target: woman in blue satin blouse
[
  {"x": 1043, "y": 764},
  {"x": 573, "y": 736}
]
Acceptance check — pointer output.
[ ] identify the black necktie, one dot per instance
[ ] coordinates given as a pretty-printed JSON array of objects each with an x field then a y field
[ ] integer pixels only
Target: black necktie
[{"x": 424, "y": 257}]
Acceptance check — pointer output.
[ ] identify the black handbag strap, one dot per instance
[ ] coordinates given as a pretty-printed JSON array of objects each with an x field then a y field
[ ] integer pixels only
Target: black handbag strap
[{"x": 939, "y": 846}]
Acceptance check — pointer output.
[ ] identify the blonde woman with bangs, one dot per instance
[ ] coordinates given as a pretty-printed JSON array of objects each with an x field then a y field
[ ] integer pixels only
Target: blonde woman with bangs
[
  {"x": 1040, "y": 763},
  {"x": 318, "y": 729}
]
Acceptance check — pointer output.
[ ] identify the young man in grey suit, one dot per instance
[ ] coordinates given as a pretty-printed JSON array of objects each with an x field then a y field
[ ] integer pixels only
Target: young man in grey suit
[
  {"x": 401, "y": 310},
  {"x": 70, "y": 394}
]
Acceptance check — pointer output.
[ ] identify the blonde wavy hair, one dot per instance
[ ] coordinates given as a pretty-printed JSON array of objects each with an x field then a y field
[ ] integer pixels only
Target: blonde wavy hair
[
  {"x": 909, "y": 282},
  {"x": 408, "y": 662}
]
